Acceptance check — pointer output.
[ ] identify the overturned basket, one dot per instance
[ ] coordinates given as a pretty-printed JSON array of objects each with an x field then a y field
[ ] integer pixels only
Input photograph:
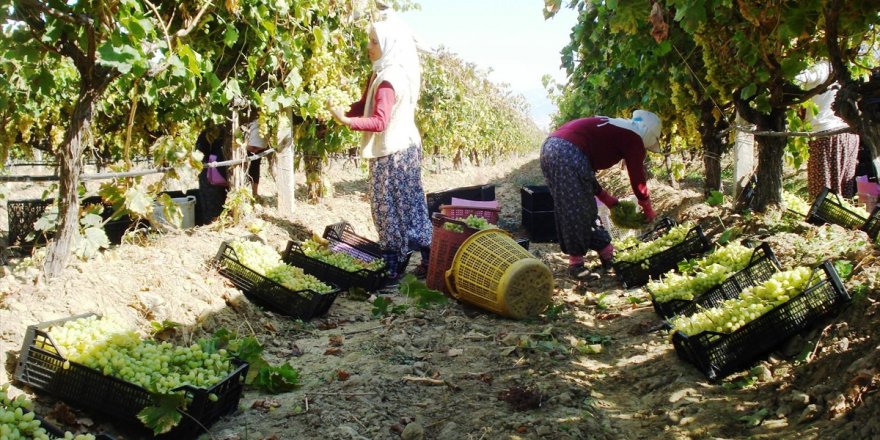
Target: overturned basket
[{"x": 491, "y": 271}]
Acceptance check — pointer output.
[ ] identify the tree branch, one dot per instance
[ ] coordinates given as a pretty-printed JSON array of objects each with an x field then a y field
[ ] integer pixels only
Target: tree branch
[
  {"x": 193, "y": 23},
  {"x": 832, "y": 32},
  {"x": 67, "y": 16}
]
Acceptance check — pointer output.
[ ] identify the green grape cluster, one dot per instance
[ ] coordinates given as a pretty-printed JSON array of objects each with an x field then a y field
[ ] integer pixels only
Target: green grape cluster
[
  {"x": 795, "y": 203},
  {"x": 119, "y": 352},
  {"x": 18, "y": 422},
  {"x": 625, "y": 215},
  {"x": 751, "y": 304},
  {"x": 707, "y": 272},
  {"x": 453, "y": 227},
  {"x": 626, "y": 242},
  {"x": 472, "y": 221},
  {"x": 478, "y": 223},
  {"x": 643, "y": 251},
  {"x": 266, "y": 261},
  {"x": 346, "y": 262}
]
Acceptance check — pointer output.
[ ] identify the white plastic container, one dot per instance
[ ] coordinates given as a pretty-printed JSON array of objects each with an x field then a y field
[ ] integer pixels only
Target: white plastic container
[{"x": 187, "y": 207}]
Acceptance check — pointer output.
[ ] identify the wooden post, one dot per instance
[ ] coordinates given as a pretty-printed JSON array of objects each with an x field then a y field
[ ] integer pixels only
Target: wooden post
[
  {"x": 284, "y": 172},
  {"x": 743, "y": 157}
]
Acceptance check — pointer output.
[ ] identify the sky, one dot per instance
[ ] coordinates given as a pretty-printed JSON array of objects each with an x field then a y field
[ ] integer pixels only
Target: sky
[{"x": 510, "y": 37}]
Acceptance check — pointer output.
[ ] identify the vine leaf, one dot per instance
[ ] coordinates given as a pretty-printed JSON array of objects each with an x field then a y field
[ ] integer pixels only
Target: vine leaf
[
  {"x": 164, "y": 415},
  {"x": 138, "y": 201}
]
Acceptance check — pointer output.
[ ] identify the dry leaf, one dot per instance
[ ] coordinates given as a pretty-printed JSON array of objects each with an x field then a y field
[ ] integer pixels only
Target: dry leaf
[{"x": 453, "y": 352}]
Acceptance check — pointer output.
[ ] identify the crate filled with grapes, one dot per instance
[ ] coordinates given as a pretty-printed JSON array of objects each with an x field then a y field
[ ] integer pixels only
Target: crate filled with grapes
[
  {"x": 260, "y": 272},
  {"x": 342, "y": 257},
  {"x": 831, "y": 208},
  {"x": 658, "y": 253},
  {"x": 705, "y": 282},
  {"x": 733, "y": 334},
  {"x": 100, "y": 364},
  {"x": 489, "y": 214},
  {"x": 19, "y": 421}
]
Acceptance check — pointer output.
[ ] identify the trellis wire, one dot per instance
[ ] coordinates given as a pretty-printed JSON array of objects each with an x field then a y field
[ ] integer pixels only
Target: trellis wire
[{"x": 105, "y": 176}]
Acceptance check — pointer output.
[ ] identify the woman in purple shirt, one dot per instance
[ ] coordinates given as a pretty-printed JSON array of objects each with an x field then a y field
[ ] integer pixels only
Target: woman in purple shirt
[{"x": 569, "y": 159}]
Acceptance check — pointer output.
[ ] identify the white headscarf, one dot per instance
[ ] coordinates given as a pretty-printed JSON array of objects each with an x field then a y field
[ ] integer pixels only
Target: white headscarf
[
  {"x": 399, "y": 62},
  {"x": 643, "y": 123}
]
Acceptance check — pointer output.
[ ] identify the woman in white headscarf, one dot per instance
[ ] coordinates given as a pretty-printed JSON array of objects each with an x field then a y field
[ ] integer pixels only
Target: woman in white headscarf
[
  {"x": 569, "y": 159},
  {"x": 391, "y": 141}
]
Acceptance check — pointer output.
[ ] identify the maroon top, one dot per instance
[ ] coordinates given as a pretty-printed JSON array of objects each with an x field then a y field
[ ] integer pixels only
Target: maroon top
[
  {"x": 606, "y": 145},
  {"x": 384, "y": 102}
]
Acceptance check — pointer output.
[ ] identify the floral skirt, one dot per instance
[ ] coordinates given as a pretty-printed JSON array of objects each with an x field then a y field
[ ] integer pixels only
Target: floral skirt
[
  {"x": 832, "y": 163},
  {"x": 573, "y": 185},
  {"x": 397, "y": 200}
]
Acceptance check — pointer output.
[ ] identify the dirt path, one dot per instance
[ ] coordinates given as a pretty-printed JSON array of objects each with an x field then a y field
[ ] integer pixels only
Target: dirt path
[{"x": 596, "y": 365}]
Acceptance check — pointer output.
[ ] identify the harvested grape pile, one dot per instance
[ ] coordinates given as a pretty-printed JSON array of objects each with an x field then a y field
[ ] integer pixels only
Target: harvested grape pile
[{"x": 597, "y": 364}]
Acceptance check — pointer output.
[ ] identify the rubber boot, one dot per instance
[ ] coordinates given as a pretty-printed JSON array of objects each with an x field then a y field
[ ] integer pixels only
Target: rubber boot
[
  {"x": 421, "y": 271},
  {"x": 606, "y": 256},
  {"x": 392, "y": 264}
]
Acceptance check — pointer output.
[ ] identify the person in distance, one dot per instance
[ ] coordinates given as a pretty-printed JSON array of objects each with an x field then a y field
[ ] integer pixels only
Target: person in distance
[
  {"x": 570, "y": 157},
  {"x": 392, "y": 143}
]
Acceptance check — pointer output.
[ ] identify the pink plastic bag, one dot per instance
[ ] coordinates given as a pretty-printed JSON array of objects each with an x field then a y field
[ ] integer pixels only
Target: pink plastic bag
[{"x": 215, "y": 177}]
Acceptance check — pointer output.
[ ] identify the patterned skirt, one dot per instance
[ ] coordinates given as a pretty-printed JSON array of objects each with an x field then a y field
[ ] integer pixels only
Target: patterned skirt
[
  {"x": 397, "y": 200},
  {"x": 572, "y": 184},
  {"x": 832, "y": 163}
]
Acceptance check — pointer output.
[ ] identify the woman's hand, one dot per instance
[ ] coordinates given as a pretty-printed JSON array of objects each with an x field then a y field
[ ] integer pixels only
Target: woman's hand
[
  {"x": 338, "y": 113},
  {"x": 650, "y": 215}
]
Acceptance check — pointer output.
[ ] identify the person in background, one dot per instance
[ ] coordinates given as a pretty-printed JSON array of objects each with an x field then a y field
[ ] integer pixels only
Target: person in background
[
  {"x": 256, "y": 144},
  {"x": 832, "y": 159},
  {"x": 212, "y": 181},
  {"x": 570, "y": 157},
  {"x": 392, "y": 143}
]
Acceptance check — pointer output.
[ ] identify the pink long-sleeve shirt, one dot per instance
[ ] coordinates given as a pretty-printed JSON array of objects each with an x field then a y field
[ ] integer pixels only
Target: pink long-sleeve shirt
[
  {"x": 606, "y": 145},
  {"x": 377, "y": 122}
]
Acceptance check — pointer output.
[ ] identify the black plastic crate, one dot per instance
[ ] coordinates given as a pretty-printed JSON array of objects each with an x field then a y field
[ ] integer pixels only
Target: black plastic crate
[
  {"x": 42, "y": 367},
  {"x": 762, "y": 265},
  {"x": 301, "y": 304},
  {"x": 366, "y": 279},
  {"x": 540, "y": 225},
  {"x": 536, "y": 198},
  {"x": 22, "y": 214},
  {"x": 718, "y": 354},
  {"x": 640, "y": 272},
  {"x": 828, "y": 209},
  {"x": 872, "y": 226},
  {"x": 481, "y": 193},
  {"x": 660, "y": 228},
  {"x": 56, "y": 432},
  {"x": 342, "y": 238}
]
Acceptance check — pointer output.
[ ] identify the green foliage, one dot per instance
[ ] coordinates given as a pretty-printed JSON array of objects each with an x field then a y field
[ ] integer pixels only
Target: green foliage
[
  {"x": 419, "y": 293},
  {"x": 463, "y": 115},
  {"x": 716, "y": 198},
  {"x": 385, "y": 306},
  {"x": 163, "y": 415},
  {"x": 844, "y": 268},
  {"x": 277, "y": 379}
]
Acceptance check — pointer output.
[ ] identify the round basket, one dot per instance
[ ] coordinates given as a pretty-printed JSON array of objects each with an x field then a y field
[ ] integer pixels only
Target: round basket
[
  {"x": 490, "y": 270},
  {"x": 444, "y": 243},
  {"x": 455, "y": 211}
]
